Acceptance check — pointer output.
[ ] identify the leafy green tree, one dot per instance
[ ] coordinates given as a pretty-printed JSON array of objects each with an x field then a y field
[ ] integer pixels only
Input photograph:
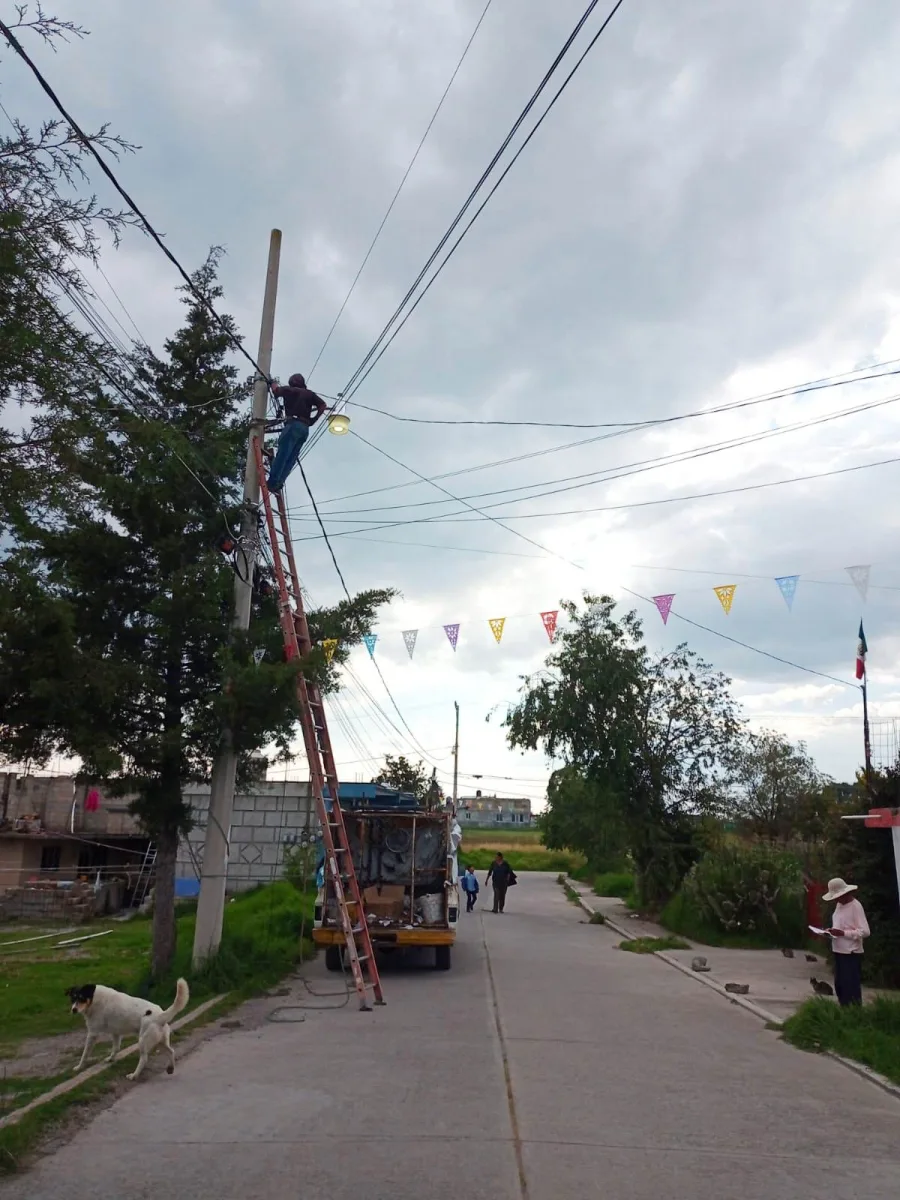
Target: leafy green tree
[
  {"x": 778, "y": 790},
  {"x": 404, "y": 775},
  {"x": 654, "y": 736},
  {"x": 582, "y": 815},
  {"x": 143, "y": 668}
]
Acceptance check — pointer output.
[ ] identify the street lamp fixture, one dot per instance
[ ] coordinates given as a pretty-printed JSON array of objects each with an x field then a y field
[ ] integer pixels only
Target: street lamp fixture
[{"x": 338, "y": 424}]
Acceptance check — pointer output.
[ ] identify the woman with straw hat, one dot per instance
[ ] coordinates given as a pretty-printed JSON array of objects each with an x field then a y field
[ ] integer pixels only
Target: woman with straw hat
[{"x": 848, "y": 928}]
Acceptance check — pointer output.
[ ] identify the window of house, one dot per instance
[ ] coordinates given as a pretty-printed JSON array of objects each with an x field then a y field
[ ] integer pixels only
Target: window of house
[{"x": 50, "y": 857}]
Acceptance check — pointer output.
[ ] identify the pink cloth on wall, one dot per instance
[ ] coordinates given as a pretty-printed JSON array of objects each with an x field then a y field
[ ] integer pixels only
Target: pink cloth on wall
[{"x": 92, "y": 801}]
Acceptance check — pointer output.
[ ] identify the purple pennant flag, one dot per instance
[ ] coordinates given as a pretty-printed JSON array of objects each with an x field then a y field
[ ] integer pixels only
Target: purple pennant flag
[
  {"x": 452, "y": 632},
  {"x": 664, "y": 606}
]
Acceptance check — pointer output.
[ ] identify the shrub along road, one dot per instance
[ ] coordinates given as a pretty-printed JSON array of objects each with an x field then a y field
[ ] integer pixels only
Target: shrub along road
[{"x": 546, "y": 1064}]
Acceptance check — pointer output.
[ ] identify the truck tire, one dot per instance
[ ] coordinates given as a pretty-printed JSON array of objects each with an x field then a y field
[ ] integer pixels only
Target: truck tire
[
  {"x": 442, "y": 958},
  {"x": 334, "y": 958}
]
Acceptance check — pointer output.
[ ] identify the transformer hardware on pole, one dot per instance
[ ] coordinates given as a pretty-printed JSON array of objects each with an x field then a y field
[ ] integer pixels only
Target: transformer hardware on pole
[{"x": 322, "y": 771}]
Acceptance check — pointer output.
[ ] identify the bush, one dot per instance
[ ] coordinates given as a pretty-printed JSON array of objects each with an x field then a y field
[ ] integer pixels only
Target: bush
[
  {"x": 614, "y": 883},
  {"x": 747, "y": 891},
  {"x": 870, "y": 1034}
]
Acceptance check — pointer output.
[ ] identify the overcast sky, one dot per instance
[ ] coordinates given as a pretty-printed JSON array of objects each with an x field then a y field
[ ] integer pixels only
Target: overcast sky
[{"x": 707, "y": 215}]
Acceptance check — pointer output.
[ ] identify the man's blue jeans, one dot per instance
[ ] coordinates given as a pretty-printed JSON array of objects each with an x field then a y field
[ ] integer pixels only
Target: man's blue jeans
[{"x": 290, "y": 444}]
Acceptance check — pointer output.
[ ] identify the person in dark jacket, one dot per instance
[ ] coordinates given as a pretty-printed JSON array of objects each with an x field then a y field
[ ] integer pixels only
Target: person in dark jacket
[
  {"x": 502, "y": 876},
  {"x": 302, "y": 408}
]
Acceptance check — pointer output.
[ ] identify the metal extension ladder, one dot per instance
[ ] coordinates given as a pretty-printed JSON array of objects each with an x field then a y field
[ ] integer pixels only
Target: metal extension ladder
[
  {"x": 322, "y": 770},
  {"x": 145, "y": 876}
]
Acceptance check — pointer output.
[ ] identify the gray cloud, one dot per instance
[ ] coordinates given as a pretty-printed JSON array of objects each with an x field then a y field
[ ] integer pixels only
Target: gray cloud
[{"x": 707, "y": 214}]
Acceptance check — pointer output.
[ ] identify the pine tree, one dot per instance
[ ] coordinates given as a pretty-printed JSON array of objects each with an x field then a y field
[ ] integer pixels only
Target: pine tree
[{"x": 144, "y": 667}]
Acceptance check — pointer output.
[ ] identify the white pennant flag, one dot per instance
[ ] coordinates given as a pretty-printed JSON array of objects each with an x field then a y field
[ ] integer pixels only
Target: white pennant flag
[
  {"x": 860, "y": 577},
  {"x": 259, "y": 654}
]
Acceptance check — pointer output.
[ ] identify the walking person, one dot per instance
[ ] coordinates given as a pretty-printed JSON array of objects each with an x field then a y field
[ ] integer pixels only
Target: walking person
[
  {"x": 502, "y": 876},
  {"x": 470, "y": 887},
  {"x": 848, "y": 928},
  {"x": 302, "y": 408}
]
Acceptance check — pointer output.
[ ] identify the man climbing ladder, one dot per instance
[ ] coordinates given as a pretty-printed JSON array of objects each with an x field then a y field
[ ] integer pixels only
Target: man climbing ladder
[{"x": 302, "y": 408}]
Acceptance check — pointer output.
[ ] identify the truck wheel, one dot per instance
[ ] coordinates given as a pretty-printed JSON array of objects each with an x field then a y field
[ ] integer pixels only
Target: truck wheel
[
  {"x": 334, "y": 958},
  {"x": 442, "y": 958}
]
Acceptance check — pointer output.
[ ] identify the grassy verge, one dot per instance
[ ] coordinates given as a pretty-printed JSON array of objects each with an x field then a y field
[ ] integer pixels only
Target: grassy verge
[
  {"x": 650, "y": 945},
  {"x": 537, "y": 858},
  {"x": 680, "y": 918},
  {"x": 870, "y": 1035},
  {"x": 261, "y": 943}
]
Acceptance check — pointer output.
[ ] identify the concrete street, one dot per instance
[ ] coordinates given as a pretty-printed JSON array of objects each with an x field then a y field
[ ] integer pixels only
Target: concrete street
[{"x": 547, "y": 1064}]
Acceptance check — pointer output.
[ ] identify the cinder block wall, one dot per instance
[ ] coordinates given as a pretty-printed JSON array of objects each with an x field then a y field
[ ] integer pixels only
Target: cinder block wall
[{"x": 268, "y": 818}]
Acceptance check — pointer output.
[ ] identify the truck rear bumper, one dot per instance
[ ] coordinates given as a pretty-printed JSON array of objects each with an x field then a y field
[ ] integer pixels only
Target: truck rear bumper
[{"x": 390, "y": 937}]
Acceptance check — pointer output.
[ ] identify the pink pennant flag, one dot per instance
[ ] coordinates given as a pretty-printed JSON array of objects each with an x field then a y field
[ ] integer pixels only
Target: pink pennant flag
[
  {"x": 549, "y": 619},
  {"x": 452, "y": 632},
  {"x": 664, "y": 606}
]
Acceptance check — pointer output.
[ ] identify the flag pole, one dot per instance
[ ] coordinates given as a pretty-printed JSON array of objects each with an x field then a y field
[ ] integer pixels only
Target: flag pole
[{"x": 866, "y": 740}]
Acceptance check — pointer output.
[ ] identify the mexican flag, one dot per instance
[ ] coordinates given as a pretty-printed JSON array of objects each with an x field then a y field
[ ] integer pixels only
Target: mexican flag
[{"x": 861, "y": 650}]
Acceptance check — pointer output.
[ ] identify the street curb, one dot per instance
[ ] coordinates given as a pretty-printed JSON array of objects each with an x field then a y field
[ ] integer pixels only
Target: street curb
[
  {"x": 69, "y": 1085},
  {"x": 867, "y": 1073},
  {"x": 762, "y": 1013},
  {"x": 859, "y": 1069}
]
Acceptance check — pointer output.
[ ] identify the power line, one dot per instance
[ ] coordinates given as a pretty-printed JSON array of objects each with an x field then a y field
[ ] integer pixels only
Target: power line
[
  {"x": 459, "y": 216},
  {"x": 814, "y": 385},
  {"x": 360, "y": 375},
  {"x": 92, "y": 149},
  {"x": 456, "y": 518},
  {"x": 412, "y": 163},
  {"x": 750, "y": 487},
  {"x": 649, "y": 422},
  {"x": 631, "y": 592},
  {"x": 620, "y": 471},
  {"x": 459, "y": 499}
]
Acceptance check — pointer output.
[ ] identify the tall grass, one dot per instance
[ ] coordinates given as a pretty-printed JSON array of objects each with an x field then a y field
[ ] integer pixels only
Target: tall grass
[
  {"x": 521, "y": 860},
  {"x": 869, "y": 1034}
]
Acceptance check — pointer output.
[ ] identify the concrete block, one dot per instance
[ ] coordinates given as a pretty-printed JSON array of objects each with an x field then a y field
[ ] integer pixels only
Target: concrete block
[
  {"x": 271, "y": 855},
  {"x": 275, "y": 820},
  {"x": 242, "y": 833}
]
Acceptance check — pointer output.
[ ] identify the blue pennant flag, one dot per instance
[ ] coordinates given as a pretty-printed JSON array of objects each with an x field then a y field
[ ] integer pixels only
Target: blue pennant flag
[
  {"x": 370, "y": 639},
  {"x": 787, "y": 585}
]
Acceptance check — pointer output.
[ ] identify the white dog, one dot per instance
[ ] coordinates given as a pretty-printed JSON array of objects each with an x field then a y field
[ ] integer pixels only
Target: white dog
[{"x": 115, "y": 1015}]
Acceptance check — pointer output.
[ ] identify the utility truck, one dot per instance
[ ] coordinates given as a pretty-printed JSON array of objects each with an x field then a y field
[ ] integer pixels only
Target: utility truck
[{"x": 405, "y": 858}]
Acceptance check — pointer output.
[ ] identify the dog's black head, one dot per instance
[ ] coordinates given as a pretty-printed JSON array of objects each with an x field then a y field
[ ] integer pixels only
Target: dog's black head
[{"x": 81, "y": 997}]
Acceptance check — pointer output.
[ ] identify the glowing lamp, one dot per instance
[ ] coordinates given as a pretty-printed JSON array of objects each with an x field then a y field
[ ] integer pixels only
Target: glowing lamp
[{"x": 338, "y": 424}]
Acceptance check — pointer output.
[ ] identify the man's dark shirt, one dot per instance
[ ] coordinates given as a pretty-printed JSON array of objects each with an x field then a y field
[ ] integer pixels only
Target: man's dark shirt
[
  {"x": 299, "y": 404},
  {"x": 500, "y": 873}
]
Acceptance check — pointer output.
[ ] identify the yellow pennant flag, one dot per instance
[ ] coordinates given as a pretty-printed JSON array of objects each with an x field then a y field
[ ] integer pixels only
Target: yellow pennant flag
[
  {"x": 329, "y": 645},
  {"x": 726, "y": 596},
  {"x": 496, "y": 624}
]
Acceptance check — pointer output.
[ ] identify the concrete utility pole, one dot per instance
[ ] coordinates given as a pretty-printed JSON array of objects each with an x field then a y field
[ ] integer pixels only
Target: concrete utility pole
[
  {"x": 456, "y": 758},
  {"x": 211, "y": 904}
]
